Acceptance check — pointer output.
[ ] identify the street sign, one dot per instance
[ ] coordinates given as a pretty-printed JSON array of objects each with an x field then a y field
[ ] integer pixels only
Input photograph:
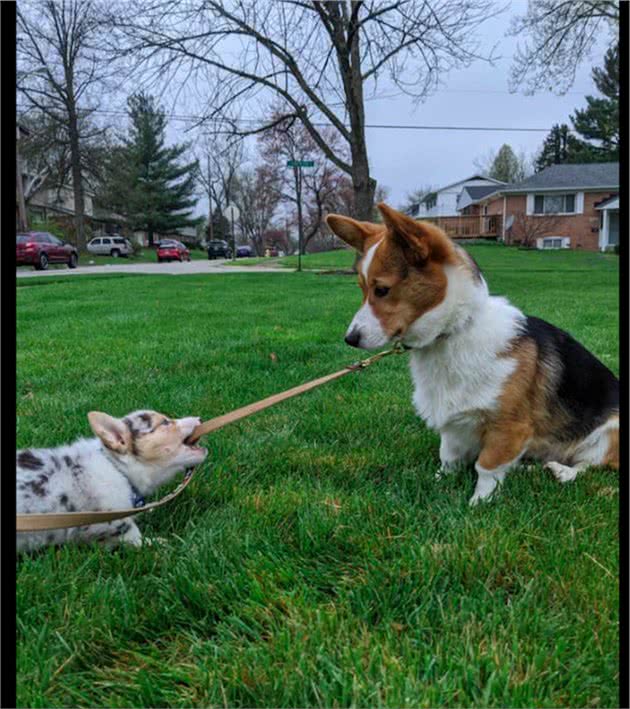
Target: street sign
[
  {"x": 301, "y": 163},
  {"x": 231, "y": 212}
]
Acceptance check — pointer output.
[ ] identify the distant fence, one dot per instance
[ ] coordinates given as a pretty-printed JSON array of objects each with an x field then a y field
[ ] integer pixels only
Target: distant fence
[{"x": 472, "y": 226}]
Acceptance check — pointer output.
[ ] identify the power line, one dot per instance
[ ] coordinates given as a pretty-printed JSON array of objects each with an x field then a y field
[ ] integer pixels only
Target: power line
[{"x": 384, "y": 126}]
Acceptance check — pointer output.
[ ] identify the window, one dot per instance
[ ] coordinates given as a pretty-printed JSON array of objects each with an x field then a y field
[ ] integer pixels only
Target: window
[
  {"x": 554, "y": 204},
  {"x": 118, "y": 240},
  {"x": 96, "y": 242},
  {"x": 107, "y": 241},
  {"x": 554, "y": 242}
]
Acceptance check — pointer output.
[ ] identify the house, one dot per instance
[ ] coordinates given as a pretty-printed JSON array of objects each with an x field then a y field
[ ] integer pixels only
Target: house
[
  {"x": 562, "y": 206},
  {"x": 445, "y": 201}
]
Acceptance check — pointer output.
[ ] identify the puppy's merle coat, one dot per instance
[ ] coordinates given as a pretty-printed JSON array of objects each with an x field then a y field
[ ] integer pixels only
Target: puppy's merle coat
[{"x": 129, "y": 458}]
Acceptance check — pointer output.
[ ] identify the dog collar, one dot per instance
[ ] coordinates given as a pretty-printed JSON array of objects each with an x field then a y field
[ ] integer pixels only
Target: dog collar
[{"x": 138, "y": 499}]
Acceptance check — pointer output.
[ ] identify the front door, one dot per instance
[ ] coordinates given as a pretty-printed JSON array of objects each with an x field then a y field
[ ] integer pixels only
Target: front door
[{"x": 613, "y": 228}]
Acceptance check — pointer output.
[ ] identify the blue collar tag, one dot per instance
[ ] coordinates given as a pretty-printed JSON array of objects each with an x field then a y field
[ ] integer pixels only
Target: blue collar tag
[{"x": 138, "y": 500}]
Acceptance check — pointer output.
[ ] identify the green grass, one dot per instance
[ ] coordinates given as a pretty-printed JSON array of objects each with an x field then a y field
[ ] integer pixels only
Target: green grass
[
  {"x": 490, "y": 255},
  {"x": 314, "y": 561}
]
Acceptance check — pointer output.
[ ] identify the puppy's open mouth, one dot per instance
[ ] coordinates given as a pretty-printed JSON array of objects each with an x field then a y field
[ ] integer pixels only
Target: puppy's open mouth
[{"x": 192, "y": 446}]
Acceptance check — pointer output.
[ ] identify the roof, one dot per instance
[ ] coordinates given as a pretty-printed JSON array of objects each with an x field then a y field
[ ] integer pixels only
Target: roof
[
  {"x": 610, "y": 203},
  {"x": 578, "y": 176},
  {"x": 459, "y": 182},
  {"x": 476, "y": 192}
]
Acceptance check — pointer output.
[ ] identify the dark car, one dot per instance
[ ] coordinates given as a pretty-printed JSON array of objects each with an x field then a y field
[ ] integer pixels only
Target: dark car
[
  {"x": 39, "y": 248},
  {"x": 244, "y": 251},
  {"x": 172, "y": 250},
  {"x": 219, "y": 249}
]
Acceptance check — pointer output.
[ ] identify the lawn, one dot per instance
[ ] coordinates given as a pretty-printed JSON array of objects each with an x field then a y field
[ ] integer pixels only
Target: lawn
[
  {"x": 492, "y": 255},
  {"x": 314, "y": 560}
]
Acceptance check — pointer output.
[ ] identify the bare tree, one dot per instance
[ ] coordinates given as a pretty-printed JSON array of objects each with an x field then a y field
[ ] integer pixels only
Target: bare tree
[
  {"x": 257, "y": 195},
  {"x": 526, "y": 228},
  {"x": 413, "y": 199},
  {"x": 321, "y": 185},
  {"x": 560, "y": 35},
  {"x": 320, "y": 60},
  {"x": 219, "y": 161},
  {"x": 58, "y": 74}
]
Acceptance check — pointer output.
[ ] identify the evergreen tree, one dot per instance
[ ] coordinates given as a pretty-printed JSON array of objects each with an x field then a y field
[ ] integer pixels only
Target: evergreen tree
[
  {"x": 598, "y": 123},
  {"x": 560, "y": 147},
  {"x": 148, "y": 182}
]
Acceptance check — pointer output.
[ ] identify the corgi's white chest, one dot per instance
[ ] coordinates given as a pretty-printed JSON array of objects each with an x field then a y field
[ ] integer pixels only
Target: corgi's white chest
[{"x": 458, "y": 379}]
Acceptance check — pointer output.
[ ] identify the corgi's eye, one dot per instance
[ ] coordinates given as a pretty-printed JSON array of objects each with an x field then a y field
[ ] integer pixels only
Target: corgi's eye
[
  {"x": 381, "y": 291},
  {"x": 165, "y": 422}
]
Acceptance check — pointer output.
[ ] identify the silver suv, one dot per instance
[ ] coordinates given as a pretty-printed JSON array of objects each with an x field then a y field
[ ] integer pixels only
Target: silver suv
[{"x": 110, "y": 246}]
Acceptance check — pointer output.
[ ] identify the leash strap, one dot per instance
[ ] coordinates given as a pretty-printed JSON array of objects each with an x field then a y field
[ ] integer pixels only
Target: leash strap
[
  {"x": 41, "y": 522},
  {"x": 218, "y": 422},
  {"x": 44, "y": 521}
]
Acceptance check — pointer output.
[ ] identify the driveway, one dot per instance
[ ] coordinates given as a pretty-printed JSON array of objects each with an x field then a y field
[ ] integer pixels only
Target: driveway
[{"x": 174, "y": 268}]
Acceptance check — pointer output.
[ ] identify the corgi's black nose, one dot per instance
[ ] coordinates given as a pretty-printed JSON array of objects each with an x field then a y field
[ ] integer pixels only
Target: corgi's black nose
[{"x": 353, "y": 338}]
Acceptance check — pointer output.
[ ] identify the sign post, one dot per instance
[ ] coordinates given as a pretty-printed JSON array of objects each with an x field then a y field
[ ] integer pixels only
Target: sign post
[{"x": 297, "y": 166}]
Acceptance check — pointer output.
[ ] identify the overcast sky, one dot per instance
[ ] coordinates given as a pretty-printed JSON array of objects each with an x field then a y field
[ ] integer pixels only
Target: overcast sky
[{"x": 404, "y": 160}]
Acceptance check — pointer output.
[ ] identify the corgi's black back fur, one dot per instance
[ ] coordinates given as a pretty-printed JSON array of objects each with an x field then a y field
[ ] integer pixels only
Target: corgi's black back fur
[{"x": 586, "y": 390}]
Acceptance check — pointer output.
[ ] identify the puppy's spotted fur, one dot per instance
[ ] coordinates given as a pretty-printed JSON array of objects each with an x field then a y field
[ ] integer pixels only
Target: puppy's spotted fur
[
  {"x": 128, "y": 459},
  {"x": 496, "y": 384}
]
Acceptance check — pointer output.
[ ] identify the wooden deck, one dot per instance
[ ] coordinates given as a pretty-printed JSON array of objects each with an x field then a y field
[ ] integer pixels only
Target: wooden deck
[{"x": 473, "y": 226}]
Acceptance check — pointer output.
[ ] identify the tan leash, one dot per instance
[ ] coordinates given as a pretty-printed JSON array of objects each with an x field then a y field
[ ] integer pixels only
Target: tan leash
[{"x": 41, "y": 522}]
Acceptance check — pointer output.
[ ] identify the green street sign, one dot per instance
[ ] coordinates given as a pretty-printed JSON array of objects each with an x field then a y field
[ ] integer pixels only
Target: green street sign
[{"x": 301, "y": 163}]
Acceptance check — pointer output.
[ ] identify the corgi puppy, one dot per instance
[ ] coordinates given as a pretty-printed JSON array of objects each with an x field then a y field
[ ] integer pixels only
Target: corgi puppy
[
  {"x": 497, "y": 385},
  {"x": 129, "y": 459}
]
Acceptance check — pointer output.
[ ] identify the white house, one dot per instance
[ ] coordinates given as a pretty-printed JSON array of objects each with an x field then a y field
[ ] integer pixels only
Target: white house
[{"x": 444, "y": 201}]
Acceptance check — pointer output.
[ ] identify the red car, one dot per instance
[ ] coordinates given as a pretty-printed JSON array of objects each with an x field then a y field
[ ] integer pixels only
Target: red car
[
  {"x": 39, "y": 248},
  {"x": 171, "y": 250}
]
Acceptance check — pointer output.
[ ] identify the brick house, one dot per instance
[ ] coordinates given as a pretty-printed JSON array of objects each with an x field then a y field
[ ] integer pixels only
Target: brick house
[{"x": 562, "y": 206}]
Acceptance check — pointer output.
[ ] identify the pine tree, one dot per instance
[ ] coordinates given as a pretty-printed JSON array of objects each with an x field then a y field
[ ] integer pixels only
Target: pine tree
[
  {"x": 148, "y": 182},
  {"x": 598, "y": 123},
  {"x": 560, "y": 147}
]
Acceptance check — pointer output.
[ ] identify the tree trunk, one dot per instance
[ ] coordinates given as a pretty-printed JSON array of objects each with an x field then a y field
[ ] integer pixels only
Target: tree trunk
[
  {"x": 77, "y": 179},
  {"x": 23, "y": 221},
  {"x": 364, "y": 186},
  {"x": 150, "y": 236}
]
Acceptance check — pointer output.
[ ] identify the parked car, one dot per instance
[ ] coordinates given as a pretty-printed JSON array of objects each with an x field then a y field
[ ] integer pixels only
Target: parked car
[
  {"x": 244, "y": 251},
  {"x": 39, "y": 248},
  {"x": 218, "y": 248},
  {"x": 110, "y": 246},
  {"x": 172, "y": 250}
]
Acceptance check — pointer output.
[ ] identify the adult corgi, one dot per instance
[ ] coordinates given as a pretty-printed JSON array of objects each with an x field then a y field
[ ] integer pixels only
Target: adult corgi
[{"x": 497, "y": 385}]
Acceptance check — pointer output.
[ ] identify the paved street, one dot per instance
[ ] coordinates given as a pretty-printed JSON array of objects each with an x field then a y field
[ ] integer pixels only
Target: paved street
[{"x": 173, "y": 269}]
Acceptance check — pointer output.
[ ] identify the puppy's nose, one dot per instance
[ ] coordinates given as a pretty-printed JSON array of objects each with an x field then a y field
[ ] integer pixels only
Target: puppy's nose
[{"x": 353, "y": 338}]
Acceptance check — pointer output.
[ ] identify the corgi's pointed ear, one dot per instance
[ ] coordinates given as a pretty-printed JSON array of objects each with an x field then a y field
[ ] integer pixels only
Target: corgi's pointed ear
[
  {"x": 113, "y": 432},
  {"x": 419, "y": 240},
  {"x": 353, "y": 232}
]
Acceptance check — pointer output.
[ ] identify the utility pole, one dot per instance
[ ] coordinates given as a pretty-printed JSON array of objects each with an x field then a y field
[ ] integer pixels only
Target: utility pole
[
  {"x": 23, "y": 222},
  {"x": 210, "y": 227}
]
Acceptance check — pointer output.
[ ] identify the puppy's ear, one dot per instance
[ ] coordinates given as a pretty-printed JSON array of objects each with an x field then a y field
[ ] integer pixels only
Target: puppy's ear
[
  {"x": 419, "y": 240},
  {"x": 352, "y": 231},
  {"x": 113, "y": 432}
]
